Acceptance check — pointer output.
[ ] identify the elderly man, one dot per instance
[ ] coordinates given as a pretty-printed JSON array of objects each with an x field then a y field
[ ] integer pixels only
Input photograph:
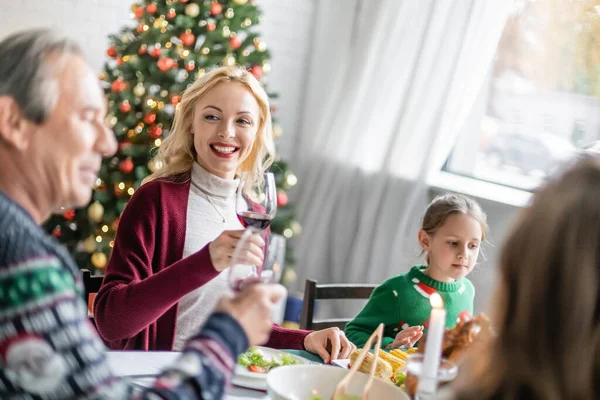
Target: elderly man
[{"x": 52, "y": 140}]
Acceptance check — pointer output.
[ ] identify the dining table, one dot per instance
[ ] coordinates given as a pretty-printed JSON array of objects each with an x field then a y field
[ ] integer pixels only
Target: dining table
[{"x": 140, "y": 367}]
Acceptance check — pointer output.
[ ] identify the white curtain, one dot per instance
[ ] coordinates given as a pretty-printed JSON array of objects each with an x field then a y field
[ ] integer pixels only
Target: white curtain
[{"x": 389, "y": 83}]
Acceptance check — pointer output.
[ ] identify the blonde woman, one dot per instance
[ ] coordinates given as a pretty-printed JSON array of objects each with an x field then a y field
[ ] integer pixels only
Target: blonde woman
[{"x": 177, "y": 234}]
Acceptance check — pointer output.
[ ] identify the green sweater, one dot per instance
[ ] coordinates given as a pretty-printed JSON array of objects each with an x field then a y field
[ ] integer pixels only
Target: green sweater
[{"x": 403, "y": 301}]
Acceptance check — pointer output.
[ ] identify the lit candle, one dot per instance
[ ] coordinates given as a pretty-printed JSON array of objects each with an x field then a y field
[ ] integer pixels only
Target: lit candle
[{"x": 433, "y": 346}]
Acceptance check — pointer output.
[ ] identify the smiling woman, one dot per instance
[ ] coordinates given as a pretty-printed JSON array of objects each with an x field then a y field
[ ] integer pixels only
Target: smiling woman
[{"x": 177, "y": 234}]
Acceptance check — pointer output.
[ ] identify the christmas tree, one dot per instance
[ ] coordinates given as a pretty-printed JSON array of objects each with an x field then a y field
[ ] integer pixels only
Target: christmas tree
[{"x": 173, "y": 43}]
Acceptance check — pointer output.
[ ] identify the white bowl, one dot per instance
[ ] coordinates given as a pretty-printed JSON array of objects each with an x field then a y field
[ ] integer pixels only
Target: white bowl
[{"x": 303, "y": 382}]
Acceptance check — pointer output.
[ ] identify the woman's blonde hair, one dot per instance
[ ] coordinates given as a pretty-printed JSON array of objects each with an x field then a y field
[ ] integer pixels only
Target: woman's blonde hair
[
  {"x": 547, "y": 303},
  {"x": 448, "y": 204},
  {"x": 176, "y": 155}
]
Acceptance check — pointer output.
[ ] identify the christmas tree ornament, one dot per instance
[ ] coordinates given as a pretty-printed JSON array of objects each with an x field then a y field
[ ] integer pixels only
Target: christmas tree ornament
[
  {"x": 89, "y": 244},
  {"x": 99, "y": 260},
  {"x": 69, "y": 215},
  {"x": 261, "y": 46},
  {"x": 226, "y": 31},
  {"x": 73, "y": 226},
  {"x": 57, "y": 232},
  {"x": 126, "y": 166},
  {"x": 229, "y": 60},
  {"x": 171, "y": 14},
  {"x": 118, "y": 86},
  {"x": 240, "y": 2},
  {"x": 102, "y": 76},
  {"x": 175, "y": 99},
  {"x": 123, "y": 146},
  {"x": 190, "y": 66},
  {"x": 95, "y": 211},
  {"x": 155, "y": 131},
  {"x": 211, "y": 26},
  {"x": 215, "y": 8},
  {"x": 150, "y": 118},
  {"x": 235, "y": 42},
  {"x": 111, "y": 120},
  {"x": 139, "y": 12},
  {"x": 165, "y": 64},
  {"x": 192, "y": 10},
  {"x": 156, "y": 51},
  {"x": 291, "y": 179},
  {"x": 125, "y": 107},
  {"x": 139, "y": 90},
  {"x": 151, "y": 8},
  {"x": 111, "y": 52},
  {"x": 282, "y": 199},
  {"x": 183, "y": 1},
  {"x": 187, "y": 38},
  {"x": 119, "y": 60},
  {"x": 229, "y": 13},
  {"x": 247, "y": 22},
  {"x": 257, "y": 71},
  {"x": 140, "y": 28}
]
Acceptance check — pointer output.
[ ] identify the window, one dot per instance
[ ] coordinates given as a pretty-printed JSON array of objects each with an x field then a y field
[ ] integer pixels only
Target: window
[{"x": 540, "y": 103}]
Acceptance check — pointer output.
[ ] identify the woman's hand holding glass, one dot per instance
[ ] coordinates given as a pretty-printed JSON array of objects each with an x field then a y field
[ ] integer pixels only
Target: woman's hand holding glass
[{"x": 222, "y": 248}]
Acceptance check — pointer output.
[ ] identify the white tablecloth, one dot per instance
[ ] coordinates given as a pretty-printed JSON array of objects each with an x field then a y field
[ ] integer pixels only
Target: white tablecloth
[{"x": 132, "y": 363}]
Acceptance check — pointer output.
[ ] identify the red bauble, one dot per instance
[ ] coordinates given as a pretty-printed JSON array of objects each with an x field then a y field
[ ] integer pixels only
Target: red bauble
[
  {"x": 190, "y": 66},
  {"x": 69, "y": 215},
  {"x": 235, "y": 42},
  {"x": 183, "y": 1},
  {"x": 282, "y": 199},
  {"x": 56, "y": 232},
  {"x": 143, "y": 50},
  {"x": 151, "y": 8},
  {"x": 139, "y": 12},
  {"x": 171, "y": 14},
  {"x": 126, "y": 166},
  {"x": 211, "y": 27},
  {"x": 125, "y": 107},
  {"x": 140, "y": 29},
  {"x": 155, "y": 52},
  {"x": 118, "y": 86},
  {"x": 150, "y": 118},
  {"x": 119, "y": 60},
  {"x": 155, "y": 131},
  {"x": 216, "y": 9},
  {"x": 112, "y": 51},
  {"x": 257, "y": 71},
  {"x": 165, "y": 64},
  {"x": 175, "y": 100},
  {"x": 187, "y": 38}
]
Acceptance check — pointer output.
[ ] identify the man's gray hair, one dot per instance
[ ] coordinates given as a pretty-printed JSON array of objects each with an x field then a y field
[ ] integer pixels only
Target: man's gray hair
[{"x": 28, "y": 75}]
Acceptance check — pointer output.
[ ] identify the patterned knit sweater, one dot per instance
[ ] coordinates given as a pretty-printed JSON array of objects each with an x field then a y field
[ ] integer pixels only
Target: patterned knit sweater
[
  {"x": 403, "y": 301},
  {"x": 50, "y": 350}
]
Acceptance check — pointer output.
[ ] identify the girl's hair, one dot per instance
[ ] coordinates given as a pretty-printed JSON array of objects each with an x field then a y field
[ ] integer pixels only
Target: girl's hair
[
  {"x": 176, "y": 155},
  {"x": 548, "y": 299},
  {"x": 445, "y": 205}
]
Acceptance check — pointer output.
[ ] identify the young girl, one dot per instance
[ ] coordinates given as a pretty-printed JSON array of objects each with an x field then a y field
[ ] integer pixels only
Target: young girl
[{"x": 453, "y": 229}]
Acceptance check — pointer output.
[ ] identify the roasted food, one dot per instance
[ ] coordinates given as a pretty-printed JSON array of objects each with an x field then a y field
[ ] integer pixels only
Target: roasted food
[{"x": 383, "y": 368}]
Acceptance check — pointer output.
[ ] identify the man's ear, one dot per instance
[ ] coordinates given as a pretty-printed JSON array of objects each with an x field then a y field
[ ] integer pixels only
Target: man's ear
[
  {"x": 424, "y": 240},
  {"x": 13, "y": 125}
]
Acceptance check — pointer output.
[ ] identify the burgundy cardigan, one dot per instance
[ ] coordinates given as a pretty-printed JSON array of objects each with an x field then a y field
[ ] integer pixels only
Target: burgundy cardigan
[{"x": 136, "y": 307}]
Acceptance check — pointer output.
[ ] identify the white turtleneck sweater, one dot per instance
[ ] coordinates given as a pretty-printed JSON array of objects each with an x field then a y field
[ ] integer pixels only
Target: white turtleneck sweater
[{"x": 204, "y": 224}]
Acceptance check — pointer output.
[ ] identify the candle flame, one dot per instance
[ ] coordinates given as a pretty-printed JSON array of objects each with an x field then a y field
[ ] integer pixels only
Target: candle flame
[{"x": 436, "y": 301}]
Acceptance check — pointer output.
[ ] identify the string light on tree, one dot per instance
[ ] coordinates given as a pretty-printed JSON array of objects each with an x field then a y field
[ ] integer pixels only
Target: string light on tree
[
  {"x": 95, "y": 211},
  {"x": 99, "y": 260}
]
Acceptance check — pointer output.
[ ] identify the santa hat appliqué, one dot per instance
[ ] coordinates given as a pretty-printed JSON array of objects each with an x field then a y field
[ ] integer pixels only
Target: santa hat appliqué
[{"x": 422, "y": 288}]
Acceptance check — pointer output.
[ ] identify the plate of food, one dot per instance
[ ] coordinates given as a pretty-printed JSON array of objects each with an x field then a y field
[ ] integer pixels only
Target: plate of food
[{"x": 253, "y": 365}]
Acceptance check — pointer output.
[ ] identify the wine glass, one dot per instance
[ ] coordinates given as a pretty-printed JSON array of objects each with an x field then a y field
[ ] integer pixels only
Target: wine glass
[
  {"x": 256, "y": 202},
  {"x": 256, "y": 205}
]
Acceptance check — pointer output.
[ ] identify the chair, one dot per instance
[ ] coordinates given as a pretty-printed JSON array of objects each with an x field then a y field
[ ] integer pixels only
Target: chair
[
  {"x": 91, "y": 286},
  {"x": 344, "y": 291}
]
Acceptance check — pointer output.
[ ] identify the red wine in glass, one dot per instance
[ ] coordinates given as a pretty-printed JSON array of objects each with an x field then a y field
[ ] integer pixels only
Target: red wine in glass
[{"x": 255, "y": 220}]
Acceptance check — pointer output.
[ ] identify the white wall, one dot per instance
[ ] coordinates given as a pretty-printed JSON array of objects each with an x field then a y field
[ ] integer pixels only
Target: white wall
[{"x": 286, "y": 29}]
